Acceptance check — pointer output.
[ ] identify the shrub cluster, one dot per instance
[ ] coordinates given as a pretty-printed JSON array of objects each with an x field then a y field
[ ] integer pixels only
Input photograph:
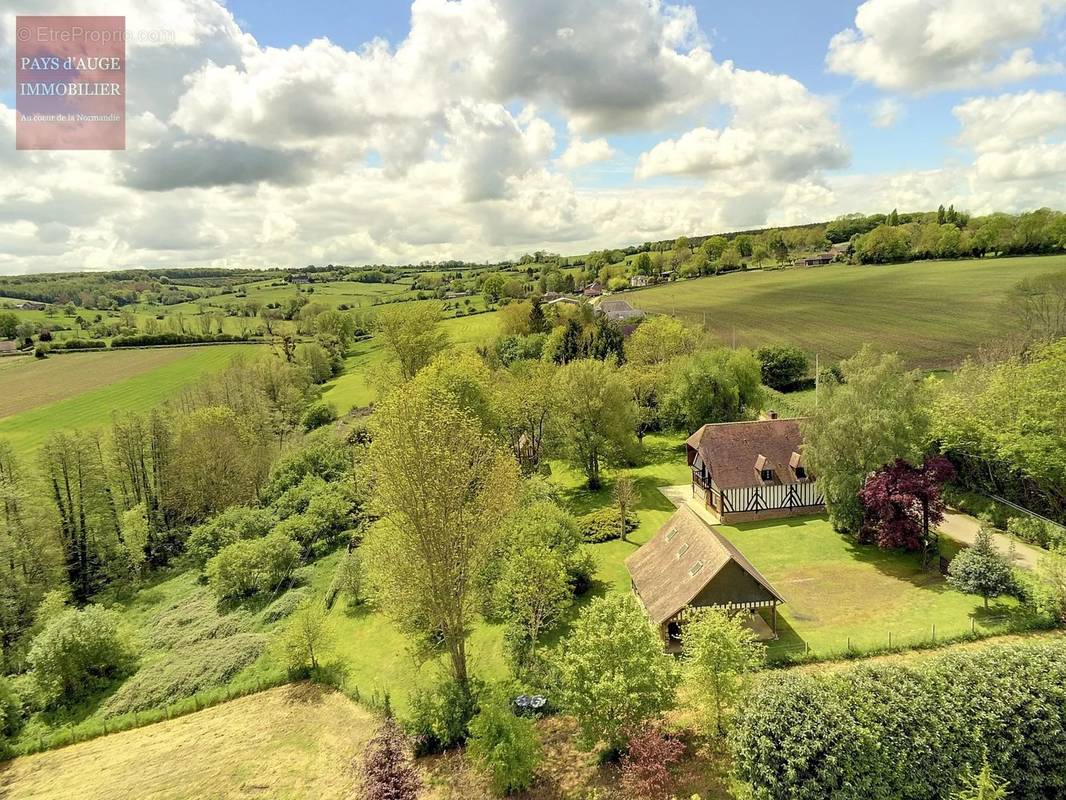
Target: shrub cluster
[
  {"x": 891, "y": 730},
  {"x": 77, "y": 344},
  {"x": 604, "y": 524},
  {"x": 78, "y": 652},
  {"x": 232, "y": 525},
  {"x": 149, "y": 339},
  {"x": 253, "y": 565},
  {"x": 285, "y": 605}
]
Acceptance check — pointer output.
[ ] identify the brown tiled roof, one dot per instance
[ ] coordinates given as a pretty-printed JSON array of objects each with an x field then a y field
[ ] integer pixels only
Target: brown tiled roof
[
  {"x": 732, "y": 450},
  {"x": 662, "y": 569}
]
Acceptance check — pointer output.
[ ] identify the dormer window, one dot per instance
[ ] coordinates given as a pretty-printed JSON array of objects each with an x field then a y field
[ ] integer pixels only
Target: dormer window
[
  {"x": 801, "y": 473},
  {"x": 767, "y": 474}
]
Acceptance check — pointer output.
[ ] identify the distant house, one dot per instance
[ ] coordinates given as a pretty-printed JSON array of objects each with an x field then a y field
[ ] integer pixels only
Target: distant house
[
  {"x": 689, "y": 565},
  {"x": 745, "y": 471},
  {"x": 31, "y": 305},
  {"x": 8, "y": 346},
  {"x": 563, "y": 300},
  {"x": 456, "y": 295},
  {"x": 594, "y": 289},
  {"x": 638, "y": 281},
  {"x": 547, "y": 297},
  {"x": 618, "y": 310},
  {"x": 842, "y": 250},
  {"x": 814, "y": 261},
  {"x": 298, "y": 279}
]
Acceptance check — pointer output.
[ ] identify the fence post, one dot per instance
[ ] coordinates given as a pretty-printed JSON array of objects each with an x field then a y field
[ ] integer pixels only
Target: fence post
[
  {"x": 890, "y": 640},
  {"x": 849, "y": 644},
  {"x": 973, "y": 625},
  {"x": 934, "y": 632}
]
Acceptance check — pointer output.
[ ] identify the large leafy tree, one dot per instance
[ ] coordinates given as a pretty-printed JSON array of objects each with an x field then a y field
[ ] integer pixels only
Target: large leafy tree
[
  {"x": 411, "y": 335},
  {"x": 613, "y": 671},
  {"x": 597, "y": 415},
  {"x": 720, "y": 654},
  {"x": 903, "y": 504},
  {"x": 717, "y": 385},
  {"x": 525, "y": 400},
  {"x": 442, "y": 487},
  {"x": 878, "y": 414}
]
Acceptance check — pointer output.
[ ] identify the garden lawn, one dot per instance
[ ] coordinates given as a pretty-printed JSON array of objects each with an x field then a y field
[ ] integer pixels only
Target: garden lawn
[
  {"x": 838, "y": 592},
  {"x": 934, "y": 313}
]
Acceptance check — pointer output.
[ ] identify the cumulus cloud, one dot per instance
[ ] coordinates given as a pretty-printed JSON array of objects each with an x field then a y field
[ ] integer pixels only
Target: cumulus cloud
[
  {"x": 580, "y": 153},
  {"x": 1001, "y": 123},
  {"x": 779, "y": 132},
  {"x": 923, "y": 45},
  {"x": 886, "y": 113}
]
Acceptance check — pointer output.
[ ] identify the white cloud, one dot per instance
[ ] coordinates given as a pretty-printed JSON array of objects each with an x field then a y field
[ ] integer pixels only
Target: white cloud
[
  {"x": 886, "y": 113},
  {"x": 1000, "y": 123},
  {"x": 580, "y": 153},
  {"x": 923, "y": 45}
]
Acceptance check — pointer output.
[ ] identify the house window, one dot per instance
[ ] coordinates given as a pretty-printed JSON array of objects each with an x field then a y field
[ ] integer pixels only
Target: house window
[
  {"x": 767, "y": 474},
  {"x": 801, "y": 473}
]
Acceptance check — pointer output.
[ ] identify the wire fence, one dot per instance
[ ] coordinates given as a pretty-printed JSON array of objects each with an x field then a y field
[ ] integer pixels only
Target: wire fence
[{"x": 887, "y": 640}]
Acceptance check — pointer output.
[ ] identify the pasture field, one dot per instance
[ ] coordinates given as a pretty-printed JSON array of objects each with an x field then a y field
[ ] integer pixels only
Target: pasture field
[
  {"x": 353, "y": 388},
  {"x": 933, "y": 313},
  {"x": 82, "y": 390}
]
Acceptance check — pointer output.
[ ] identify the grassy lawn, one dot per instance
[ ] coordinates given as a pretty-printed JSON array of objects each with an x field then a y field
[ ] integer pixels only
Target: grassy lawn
[
  {"x": 81, "y": 391},
  {"x": 933, "y": 313},
  {"x": 836, "y": 590}
]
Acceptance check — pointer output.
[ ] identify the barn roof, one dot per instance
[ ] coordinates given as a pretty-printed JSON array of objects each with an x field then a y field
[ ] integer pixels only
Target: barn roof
[
  {"x": 734, "y": 452},
  {"x": 680, "y": 561}
]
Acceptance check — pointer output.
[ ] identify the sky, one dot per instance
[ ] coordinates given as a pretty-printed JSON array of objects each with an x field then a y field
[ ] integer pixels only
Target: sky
[{"x": 270, "y": 133}]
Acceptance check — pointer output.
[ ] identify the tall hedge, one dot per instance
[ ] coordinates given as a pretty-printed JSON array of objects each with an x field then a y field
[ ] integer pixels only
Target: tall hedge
[{"x": 893, "y": 731}]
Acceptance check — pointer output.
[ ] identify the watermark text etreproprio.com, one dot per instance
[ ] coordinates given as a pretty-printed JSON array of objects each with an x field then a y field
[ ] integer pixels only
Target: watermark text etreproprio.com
[{"x": 43, "y": 34}]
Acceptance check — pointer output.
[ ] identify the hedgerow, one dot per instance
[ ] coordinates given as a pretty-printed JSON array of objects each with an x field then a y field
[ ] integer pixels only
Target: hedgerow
[{"x": 891, "y": 730}]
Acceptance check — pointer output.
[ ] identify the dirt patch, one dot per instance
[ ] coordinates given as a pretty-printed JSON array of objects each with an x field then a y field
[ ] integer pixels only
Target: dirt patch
[{"x": 33, "y": 383}]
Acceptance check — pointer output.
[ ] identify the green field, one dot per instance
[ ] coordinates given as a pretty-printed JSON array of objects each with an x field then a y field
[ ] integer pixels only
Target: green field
[
  {"x": 135, "y": 380},
  {"x": 933, "y": 313}
]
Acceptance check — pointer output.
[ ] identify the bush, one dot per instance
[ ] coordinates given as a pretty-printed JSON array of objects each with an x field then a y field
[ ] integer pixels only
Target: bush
[
  {"x": 152, "y": 339},
  {"x": 232, "y": 525},
  {"x": 386, "y": 772},
  {"x": 505, "y": 746},
  {"x": 257, "y": 565},
  {"x": 323, "y": 455},
  {"x": 79, "y": 344},
  {"x": 603, "y": 525},
  {"x": 184, "y": 672},
  {"x": 318, "y": 414},
  {"x": 650, "y": 754},
  {"x": 10, "y": 709},
  {"x": 782, "y": 367},
  {"x": 1035, "y": 531},
  {"x": 891, "y": 730},
  {"x": 440, "y": 717},
  {"x": 78, "y": 652}
]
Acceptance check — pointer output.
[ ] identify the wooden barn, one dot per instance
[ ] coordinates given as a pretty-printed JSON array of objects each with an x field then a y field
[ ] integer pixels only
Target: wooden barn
[
  {"x": 689, "y": 565},
  {"x": 746, "y": 471}
]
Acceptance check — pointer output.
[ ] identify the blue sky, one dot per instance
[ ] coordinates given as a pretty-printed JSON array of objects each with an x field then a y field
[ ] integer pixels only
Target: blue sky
[{"x": 487, "y": 128}]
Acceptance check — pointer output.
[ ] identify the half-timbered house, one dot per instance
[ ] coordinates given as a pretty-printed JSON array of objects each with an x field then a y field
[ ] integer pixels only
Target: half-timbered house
[{"x": 745, "y": 471}]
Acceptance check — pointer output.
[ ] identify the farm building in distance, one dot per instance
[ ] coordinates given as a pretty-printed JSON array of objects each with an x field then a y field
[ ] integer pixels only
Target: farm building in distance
[
  {"x": 30, "y": 305},
  {"x": 689, "y": 565},
  {"x": 618, "y": 310},
  {"x": 752, "y": 470}
]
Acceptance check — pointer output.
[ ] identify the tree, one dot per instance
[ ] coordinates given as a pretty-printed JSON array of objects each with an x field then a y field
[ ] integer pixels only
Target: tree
[
  {"x": 597, "y": 415},
  {"x": 442, "y": 487},
  {"x": 217, "y": 461},
  {"x": 78, "y": 652},
  {"x": 1038, "y": 306},
  {"x": 983, "y": 785},
  {"x": 387, "y": 772},
  {"x": 646, "y": 764},
  {"x": 642, "y": 264},
  {"x": 720, "y": 653},
  {"x": 613, "y": 673},
  {"x": 525, "y": 401},
  {"x": 782, "y": 366},
  {"x": 981, "y": 569},
  {"x": 660, "y": 339},
  {"x": 533, "y": 593},
  {"x": 714, "y": 246},
  {"x": 717, "y": 385},
  {"x": 878, "y": 414},
  {"x": 882, "y": 245},
  {"x": 411, "y": 335},
  {"x": 307, "y": 636},
  {"x": 505, "y": 746},
  {"x": 8, "y": 325},
  {"x": 252, "y": 566},
  {"x": 903, "y": 504},
  {"x": 626, "y": 496},
  {"x": 1051, "y": 584}
]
